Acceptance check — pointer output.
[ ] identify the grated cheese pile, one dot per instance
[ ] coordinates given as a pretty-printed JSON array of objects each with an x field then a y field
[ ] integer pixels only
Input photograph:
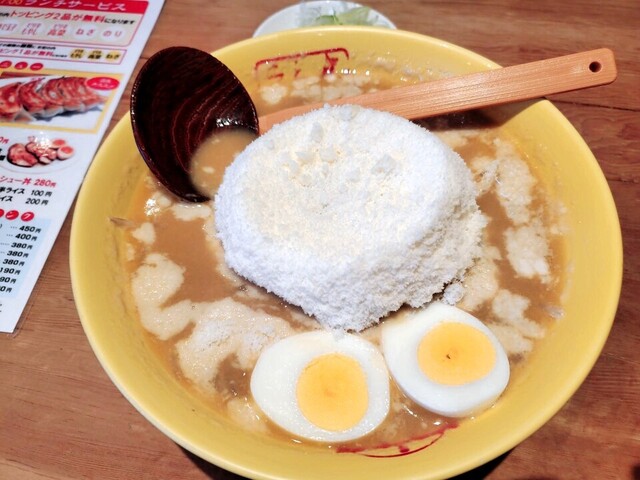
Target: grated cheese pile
[{"x": 349, "y": 213}]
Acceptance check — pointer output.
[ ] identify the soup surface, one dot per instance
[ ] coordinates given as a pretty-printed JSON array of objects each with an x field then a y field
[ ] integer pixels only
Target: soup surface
[{"x": 209, "y": 326}]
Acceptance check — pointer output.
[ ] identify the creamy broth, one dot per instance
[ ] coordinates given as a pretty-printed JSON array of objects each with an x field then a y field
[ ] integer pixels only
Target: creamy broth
[
  {"x": 208, "y": 163},
  {"x": 492, "y": 286}
]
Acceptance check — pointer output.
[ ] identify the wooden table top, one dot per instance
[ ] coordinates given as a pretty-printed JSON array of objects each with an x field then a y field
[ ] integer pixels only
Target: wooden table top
[{"x": 62, "y": 418}]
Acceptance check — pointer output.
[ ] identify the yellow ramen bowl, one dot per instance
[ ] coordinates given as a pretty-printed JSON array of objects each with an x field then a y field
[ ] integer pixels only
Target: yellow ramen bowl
[{"x": 553, "y": 373}]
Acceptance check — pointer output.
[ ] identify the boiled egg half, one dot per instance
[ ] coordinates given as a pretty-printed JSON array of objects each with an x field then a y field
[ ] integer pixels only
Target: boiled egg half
[
  {"x": 322, "y": 385},
  {"x": 446, "y": 360}
]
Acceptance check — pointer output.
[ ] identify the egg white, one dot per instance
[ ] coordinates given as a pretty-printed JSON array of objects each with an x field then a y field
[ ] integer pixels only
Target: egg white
[
  {"x": 400, "y": 341},
  {"x": 275, "y": 376}
]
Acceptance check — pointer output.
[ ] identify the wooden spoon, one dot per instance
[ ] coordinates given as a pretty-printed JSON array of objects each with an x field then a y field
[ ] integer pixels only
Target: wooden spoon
[
  {"x": 173, "y": 112},
  {"x": 477, "y": 90}
]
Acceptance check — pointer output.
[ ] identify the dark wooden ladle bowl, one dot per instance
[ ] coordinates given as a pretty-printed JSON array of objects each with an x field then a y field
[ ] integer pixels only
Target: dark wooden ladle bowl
[
  {"x": 179, "y": 98},
  {"x": 183, "y": 95}
]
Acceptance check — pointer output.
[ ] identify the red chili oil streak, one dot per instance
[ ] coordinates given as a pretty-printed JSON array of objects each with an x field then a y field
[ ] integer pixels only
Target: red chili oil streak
[
  {"x": 328, "y": 68},
  {"x": 403, "y": 447}
]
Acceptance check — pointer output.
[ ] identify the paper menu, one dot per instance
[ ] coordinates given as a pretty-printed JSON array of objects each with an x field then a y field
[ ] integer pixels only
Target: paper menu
[{"x": 64, "y": 65}]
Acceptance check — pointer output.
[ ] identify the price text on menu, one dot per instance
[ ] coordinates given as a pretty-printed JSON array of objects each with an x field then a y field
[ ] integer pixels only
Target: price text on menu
[{"x": 64, "y": 65}]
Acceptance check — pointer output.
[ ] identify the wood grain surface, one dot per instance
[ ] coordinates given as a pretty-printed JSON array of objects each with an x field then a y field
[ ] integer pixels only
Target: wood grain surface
[{"x": 62, "y": 418}]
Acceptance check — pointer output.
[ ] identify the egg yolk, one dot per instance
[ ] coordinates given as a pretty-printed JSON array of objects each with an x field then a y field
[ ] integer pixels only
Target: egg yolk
[
  {"x": 332, "y": 392},
  {"x": 454, "y": 353}
]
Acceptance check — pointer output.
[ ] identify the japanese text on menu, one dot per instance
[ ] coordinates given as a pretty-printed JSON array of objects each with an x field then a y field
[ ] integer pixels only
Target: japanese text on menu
[{"x": 64, "y": 65}]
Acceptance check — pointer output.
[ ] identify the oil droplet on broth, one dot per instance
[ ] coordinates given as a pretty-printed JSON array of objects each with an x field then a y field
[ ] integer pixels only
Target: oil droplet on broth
[{"x": 214, "y": 155}]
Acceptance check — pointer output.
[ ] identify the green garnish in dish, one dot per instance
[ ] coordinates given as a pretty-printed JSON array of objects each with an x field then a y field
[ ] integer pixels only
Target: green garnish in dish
[{"x": 353, "y": 16}]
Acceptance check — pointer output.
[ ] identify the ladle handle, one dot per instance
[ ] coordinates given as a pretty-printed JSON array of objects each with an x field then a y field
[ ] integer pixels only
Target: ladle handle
[{"x": 482, "y": 89}]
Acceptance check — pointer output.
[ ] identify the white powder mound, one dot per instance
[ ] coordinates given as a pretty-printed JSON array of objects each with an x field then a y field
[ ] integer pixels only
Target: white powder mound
[
  {"x": 512, "y": 340},
  {"x": 528, "y": 251},
  {"x": 511, "y": 308},
  {"x": 515, "y": 183},
  {"x": 349, "y": 213},
  {"x": 155, "y": 281},
  {"x": 145, "y": 233},
  {"x": 481, "y": 281},
  {"x": 224, "y": 328}
]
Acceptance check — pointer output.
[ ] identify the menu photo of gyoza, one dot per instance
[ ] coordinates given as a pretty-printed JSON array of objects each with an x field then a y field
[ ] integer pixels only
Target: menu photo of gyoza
[{"x": 56, "y": 101}]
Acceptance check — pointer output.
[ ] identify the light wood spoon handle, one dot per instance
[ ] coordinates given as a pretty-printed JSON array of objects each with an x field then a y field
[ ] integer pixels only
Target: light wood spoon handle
[{"x": 477, "y": 90}]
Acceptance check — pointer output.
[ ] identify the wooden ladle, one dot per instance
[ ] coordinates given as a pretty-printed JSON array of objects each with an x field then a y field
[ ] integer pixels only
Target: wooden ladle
[{"x": 182, "y": 95}]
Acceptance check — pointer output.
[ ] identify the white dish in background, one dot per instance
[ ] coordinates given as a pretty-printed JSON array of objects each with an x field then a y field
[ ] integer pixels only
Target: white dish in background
[{"x": 303, "y": 14}]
